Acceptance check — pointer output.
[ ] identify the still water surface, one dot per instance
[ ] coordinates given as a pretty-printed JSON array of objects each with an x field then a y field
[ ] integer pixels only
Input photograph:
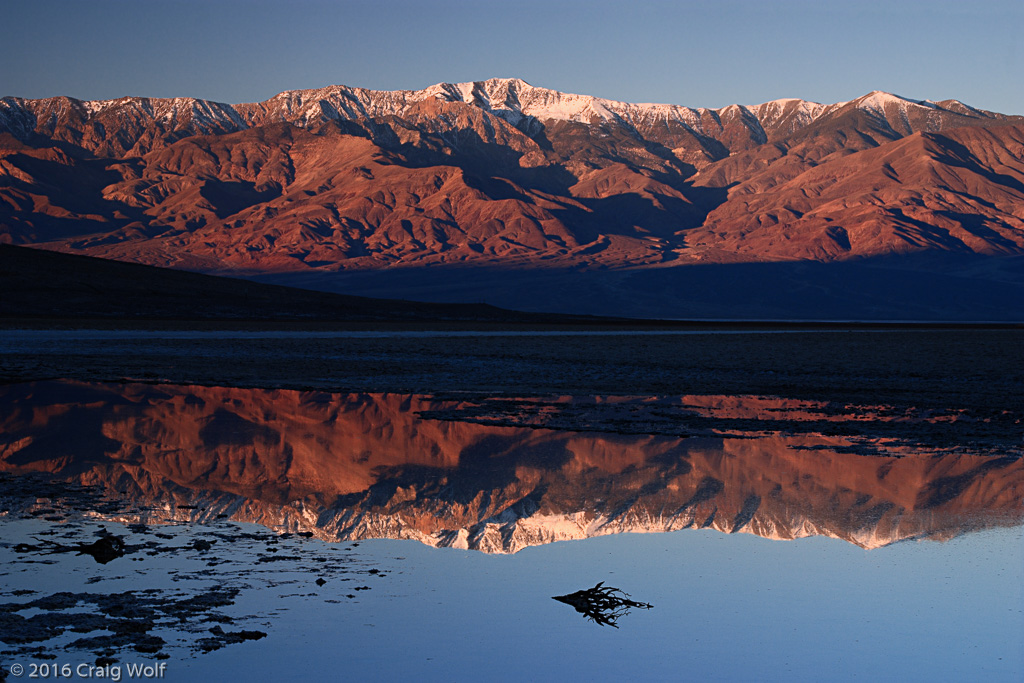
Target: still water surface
[{"x": 776, "y": 539}]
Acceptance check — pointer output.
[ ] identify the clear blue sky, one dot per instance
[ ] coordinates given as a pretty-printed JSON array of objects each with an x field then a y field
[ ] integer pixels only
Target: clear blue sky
[{"x": 694, "y": 53}]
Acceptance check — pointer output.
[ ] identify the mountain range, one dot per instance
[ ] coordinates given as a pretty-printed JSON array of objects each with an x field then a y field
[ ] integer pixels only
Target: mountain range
[{"x": 496, "y": 191}]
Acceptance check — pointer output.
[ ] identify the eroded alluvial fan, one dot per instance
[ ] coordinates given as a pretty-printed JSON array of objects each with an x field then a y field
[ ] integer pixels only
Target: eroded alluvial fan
[
  {"x": 501, "y": 172},
  {"x": 366, "y": 466}
]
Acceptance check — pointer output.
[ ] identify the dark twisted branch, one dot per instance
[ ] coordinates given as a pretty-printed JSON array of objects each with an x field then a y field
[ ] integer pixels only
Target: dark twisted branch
[{"x": 602, "y": 604}]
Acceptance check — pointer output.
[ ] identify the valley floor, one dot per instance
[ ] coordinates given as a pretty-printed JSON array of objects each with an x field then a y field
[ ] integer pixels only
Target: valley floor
[{"x": 975, "y": 368}]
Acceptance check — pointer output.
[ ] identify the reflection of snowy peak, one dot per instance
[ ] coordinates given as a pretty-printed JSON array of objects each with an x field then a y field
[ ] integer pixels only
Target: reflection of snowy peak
[
  {"x": 508, "y": 532},
  {"x": 362, "y": 466}
]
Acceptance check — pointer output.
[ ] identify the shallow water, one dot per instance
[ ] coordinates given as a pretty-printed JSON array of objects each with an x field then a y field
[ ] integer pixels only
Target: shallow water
[
  {"x": 781, "y": 538},
  {"x": 725, "y": 607}
]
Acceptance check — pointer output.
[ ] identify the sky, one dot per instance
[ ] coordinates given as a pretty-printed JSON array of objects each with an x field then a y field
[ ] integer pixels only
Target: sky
[{"x": 694, "y": 53}]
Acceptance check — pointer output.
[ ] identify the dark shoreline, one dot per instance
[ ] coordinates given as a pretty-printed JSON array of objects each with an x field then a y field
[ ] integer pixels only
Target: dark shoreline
[
  {"x": 980, "y": 370},
  {"x": 51, "y": 290},
  {"x": 543, "y": 323}
]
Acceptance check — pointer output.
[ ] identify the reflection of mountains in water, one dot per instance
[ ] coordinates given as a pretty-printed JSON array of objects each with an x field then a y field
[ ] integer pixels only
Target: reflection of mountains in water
[{"x": 366, "y": 466}]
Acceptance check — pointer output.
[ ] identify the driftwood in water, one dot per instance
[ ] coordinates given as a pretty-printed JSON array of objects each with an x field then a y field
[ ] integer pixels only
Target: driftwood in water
[{"x": 602, "y": 604}]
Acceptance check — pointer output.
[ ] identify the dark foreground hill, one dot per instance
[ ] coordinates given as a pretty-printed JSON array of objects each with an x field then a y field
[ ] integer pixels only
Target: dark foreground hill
[{"x": 41, "y": 284}]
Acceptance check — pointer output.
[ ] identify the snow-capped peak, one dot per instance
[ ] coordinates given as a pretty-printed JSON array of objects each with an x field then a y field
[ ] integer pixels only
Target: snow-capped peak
[
  {"x": 513, "y": 99},
  {"x": 789, "y": 112},
  {"x": 878, "y": 100}
]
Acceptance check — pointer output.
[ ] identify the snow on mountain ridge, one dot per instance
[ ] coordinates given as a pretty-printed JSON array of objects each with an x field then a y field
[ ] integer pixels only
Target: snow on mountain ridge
[
  {"x": 877, "y": 100},
  {"x": 14, "y": 117},
  {"x": 513, "y": 94},
  {"x": 514, "y": 100},
  {"x": 801, "y": 112},
  {"x": 511, "y": 99}
]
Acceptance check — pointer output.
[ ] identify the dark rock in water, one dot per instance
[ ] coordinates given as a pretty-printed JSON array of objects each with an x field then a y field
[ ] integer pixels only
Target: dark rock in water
[
  {"x": 201, "y": 544},
  {"x": 222, "y": 638},
  {"x": 602, "y": 604},
  {"x": 125, "y": 620},
  {"x": 105, "y": 549},
  {"x": 320, "y": 582}
]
